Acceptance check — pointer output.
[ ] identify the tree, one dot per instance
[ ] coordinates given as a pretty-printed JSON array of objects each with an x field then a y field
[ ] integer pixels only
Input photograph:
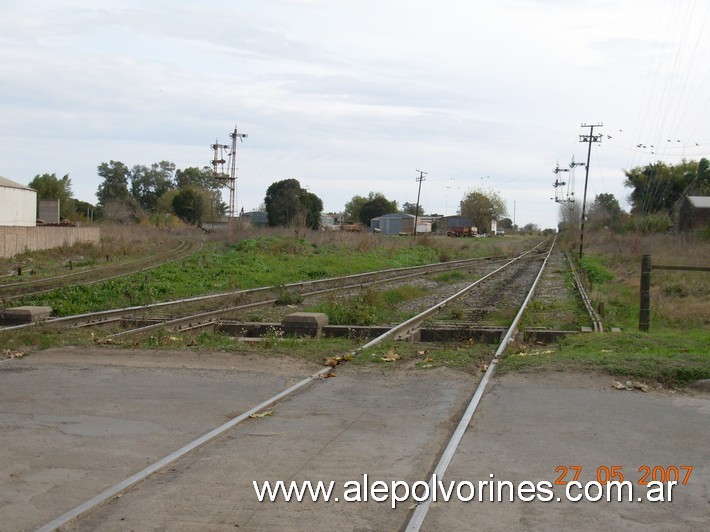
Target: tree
[
  {"x": 411, "y": 208},
  {"x": 531, "y": 229},
  {"x": 376, "y": 205},
  {"x": 201, "y": 177},
  {"x": 604, "y": 211},
  {"x": 505, "y": 224},
  {"x": 287, "y": 204},
  {"x": 204, "y": 179},
  {"x": 657, "y": 187},
  {"x": 148, "y": 184},
  {"x": 482, "y": 207},
  {"x": 49, "y": 187},
  {"x": 114, "y": 187},
  {"x": 569, "y": 216},
  {"x": 188, "y": 205},
  {"x": 351, "y": 213}
]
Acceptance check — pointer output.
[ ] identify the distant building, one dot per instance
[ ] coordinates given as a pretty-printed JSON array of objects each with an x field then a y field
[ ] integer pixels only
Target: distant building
[
  {"x": 396, "y": 223},
  {"x": 18, "y": 204},
  {"x": 330, "y": 221},
  {"x": 256, "y": 218},
  {"x": 693, "y": 213}
]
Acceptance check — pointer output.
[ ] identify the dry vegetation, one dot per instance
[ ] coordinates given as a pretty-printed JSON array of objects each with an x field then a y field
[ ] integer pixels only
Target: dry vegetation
[{"x": 678, "y": 298}]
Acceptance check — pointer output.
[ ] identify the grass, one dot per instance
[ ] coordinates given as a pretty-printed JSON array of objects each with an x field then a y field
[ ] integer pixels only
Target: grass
[
  {"x": 370, "y": 307},
  {"x": 674, "y": 352},
  {"x": 669, "y": 357},
  {"x": 425, "y": 356}
]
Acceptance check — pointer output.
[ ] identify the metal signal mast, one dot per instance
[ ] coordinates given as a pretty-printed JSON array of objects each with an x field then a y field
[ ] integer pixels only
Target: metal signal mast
[{"x": 218, "y": 163}]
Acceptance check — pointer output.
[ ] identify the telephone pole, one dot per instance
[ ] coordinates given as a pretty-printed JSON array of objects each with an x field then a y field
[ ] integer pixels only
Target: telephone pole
[
  {"x": 588, "y": 139},
  {"x": 416, "y": 213}
]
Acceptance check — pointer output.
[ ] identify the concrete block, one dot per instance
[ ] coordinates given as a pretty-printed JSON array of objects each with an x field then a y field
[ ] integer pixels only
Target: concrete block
[
  {"x": 304, "y": 324},
  {"x": 27, "y": 314}
]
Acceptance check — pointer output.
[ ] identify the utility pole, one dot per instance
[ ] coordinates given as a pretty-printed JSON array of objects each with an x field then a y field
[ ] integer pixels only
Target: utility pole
[
  {"x": 588, "y": 139},
  {"x": 416, "y": 213}
]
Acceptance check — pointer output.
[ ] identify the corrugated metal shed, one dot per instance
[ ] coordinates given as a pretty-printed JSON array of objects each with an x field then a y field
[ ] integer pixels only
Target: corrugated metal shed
[
  {"x": 396, "y": 223},
  {"x": 693, "y": 213},
  {"x": 700, "y": 202},
  {"x": 18, "y": 204}
]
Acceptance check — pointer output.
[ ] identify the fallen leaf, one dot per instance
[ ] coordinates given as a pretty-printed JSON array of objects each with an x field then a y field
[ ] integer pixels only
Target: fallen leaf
[
  {"x": 630, "y": 385},
  {"x": 328, "y": 375},
  {"x": 484, "y": 367},
  {"x": 391, "y": 356},
  {"x": 330, "y": 361},
  {"x": 13, "y": 354},
  {"x": 266, "y": 413}
]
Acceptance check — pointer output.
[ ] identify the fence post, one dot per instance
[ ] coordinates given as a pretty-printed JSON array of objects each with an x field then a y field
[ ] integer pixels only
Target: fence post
[{"x": 645, "y": 308}]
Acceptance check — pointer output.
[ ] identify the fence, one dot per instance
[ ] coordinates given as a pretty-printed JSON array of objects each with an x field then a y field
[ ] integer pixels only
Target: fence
[{"x": 14, "y": 240}]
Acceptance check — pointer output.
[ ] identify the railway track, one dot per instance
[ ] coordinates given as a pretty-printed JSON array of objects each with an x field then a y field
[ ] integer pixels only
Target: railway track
[
  {"x": 205, "y": 310},
  {"x": 520, "y": 275},
  {"x": 40, "y": 285}
]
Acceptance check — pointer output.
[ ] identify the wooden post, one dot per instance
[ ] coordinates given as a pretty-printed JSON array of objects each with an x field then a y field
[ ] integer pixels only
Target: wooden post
[{"x": 645, "y": 308}]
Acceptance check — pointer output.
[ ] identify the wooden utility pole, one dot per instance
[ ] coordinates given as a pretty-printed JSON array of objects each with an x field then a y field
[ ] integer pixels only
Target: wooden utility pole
[
  {"x": 416, "y": 213},
  {"x": 589, "y": 139}
]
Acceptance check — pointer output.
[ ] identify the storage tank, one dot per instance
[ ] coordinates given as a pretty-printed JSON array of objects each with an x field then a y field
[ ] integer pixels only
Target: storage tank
[{"x": 18, "y": 204}]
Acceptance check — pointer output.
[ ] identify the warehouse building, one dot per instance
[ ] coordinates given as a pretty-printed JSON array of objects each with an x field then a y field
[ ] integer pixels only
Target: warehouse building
[{"x": 18, "y": 204}]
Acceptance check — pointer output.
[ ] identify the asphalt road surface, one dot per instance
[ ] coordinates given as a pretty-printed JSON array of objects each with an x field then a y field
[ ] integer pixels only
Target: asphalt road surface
[{"x": 77, "y": 421}]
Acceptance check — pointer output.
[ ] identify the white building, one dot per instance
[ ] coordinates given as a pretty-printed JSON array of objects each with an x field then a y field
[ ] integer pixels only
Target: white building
[{"x": 18, "y": 204}]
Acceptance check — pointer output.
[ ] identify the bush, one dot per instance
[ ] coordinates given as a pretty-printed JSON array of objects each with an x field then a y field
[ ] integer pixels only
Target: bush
[{"x": 595, "y": 270}]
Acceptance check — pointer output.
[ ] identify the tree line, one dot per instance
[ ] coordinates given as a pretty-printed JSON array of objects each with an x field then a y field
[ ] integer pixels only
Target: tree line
[{"x": 193, "y": 195}]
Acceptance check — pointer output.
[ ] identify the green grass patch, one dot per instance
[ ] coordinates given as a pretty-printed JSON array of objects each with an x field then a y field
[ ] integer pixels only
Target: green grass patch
[
  {"x": 450, "y": 277},
  {"x": 268, "y": 261},
  {"x": 370, "y": 307},
  {"x": 668, "y": 357}
]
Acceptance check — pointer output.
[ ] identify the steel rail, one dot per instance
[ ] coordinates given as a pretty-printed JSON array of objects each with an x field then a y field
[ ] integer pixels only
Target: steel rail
[
  {"x": 98, "y": 316},
  {"x": 269, "y": 302},
  {"x": 419, "y": 513},
  {"x": 119, "y": 488},
  {"x": 597, "y": 322},
  {"x": 151, "y": 264}
]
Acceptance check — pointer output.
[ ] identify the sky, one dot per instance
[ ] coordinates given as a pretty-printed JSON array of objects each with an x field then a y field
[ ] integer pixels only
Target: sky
[{"x": 357, "y": 96}]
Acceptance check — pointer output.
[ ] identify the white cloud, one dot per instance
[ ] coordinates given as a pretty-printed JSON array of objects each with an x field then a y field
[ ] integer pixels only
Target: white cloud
[{"x": 350, "y": 97}]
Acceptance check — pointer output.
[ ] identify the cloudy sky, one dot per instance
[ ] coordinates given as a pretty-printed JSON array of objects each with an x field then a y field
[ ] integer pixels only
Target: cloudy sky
[{"x": 353, "y": 96}]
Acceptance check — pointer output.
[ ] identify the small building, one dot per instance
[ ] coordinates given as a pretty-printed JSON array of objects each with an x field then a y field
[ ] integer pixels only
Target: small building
[
  {"x": 693, "y": 213},
  {"x": 396, "y": 223},
  {"x": 18, "y": 204},
  {"x": 256, "y": 218}
]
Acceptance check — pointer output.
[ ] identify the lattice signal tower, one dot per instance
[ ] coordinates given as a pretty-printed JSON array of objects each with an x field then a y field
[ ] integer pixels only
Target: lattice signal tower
[{"x": 218, "y": 162}]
